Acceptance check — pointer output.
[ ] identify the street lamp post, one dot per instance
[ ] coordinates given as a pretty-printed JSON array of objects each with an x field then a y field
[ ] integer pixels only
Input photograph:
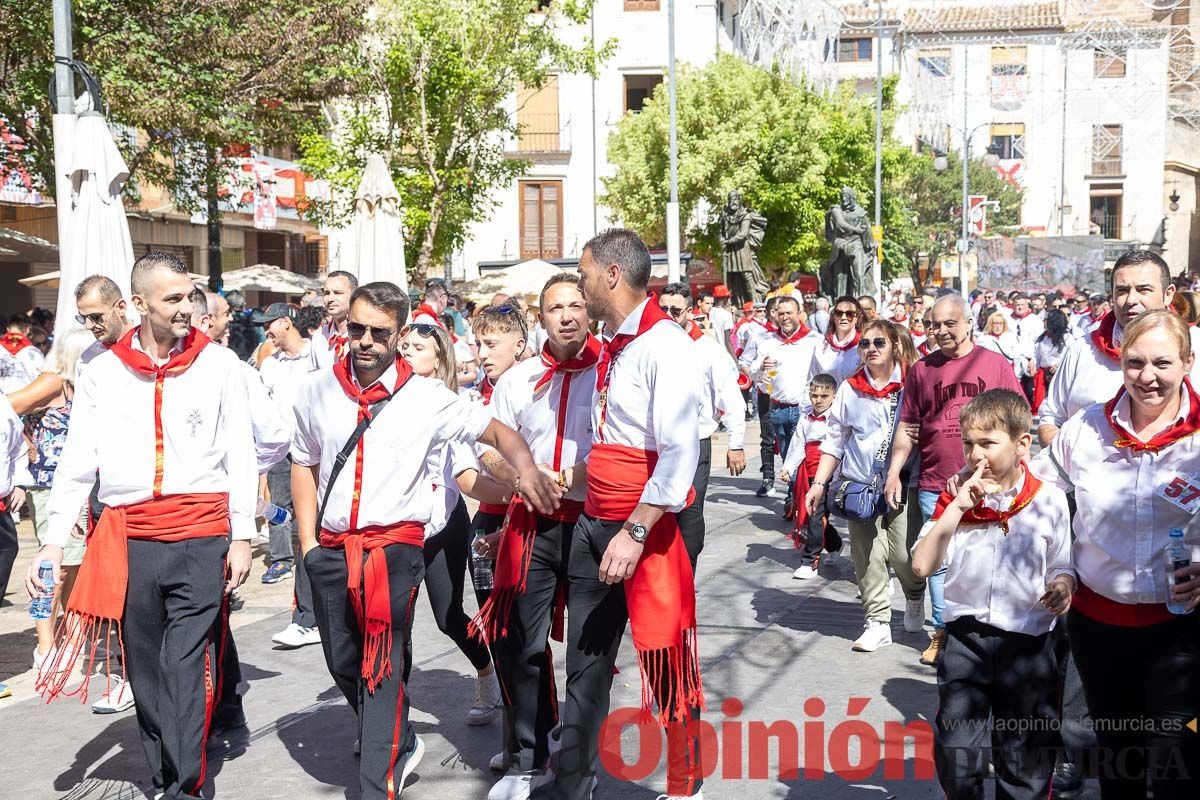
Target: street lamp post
[
  {"x": 673, "y": 203},
  {"x": 876, "y": 267}
]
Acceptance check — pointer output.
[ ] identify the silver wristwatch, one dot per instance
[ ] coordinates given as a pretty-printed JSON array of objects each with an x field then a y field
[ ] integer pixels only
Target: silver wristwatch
[{"x": 638, "y": 532}]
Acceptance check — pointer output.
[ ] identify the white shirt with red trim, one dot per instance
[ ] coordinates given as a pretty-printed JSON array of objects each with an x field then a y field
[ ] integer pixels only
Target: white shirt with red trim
[
  {"x": 208, "y": 443},
  {"x": 14, "y": 455},
  {"x": 1000, "y": 578},
  {"x": 841, "y": 364},
  {"x": 793, "y": 363},
  {"x": 402, "y": 449},
  {"x": 556, "y": 422},
  {"x": 1121, "y": 522},
  {"x": 653, "y": 393},
  {"x": 859, "y": 424},
  {"x": 720, "y": 398}
]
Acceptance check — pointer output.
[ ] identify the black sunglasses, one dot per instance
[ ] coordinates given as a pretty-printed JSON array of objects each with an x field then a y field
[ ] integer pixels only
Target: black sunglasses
[
  {"x": 878, "y": 343},
  {"x": 423, "y": 329},
  {"x": 674, "y": 312},
  {"x": 842, "y": 313},
  {"x": 357, "y": 331},
  {"x": 95, "y": 319}
]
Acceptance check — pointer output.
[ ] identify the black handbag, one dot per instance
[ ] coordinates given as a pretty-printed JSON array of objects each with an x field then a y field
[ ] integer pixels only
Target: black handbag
[{"x": 862, "y": 502}]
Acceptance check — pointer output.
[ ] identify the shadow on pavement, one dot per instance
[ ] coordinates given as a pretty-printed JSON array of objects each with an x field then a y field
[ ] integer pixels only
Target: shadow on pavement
[{"x": 322, "y": 744}]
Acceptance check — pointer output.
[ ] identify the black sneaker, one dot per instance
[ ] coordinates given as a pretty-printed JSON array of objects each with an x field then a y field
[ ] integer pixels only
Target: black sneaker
[
  {"x": 767, "y": 484},
  {"x": 1067, "y": 783}
]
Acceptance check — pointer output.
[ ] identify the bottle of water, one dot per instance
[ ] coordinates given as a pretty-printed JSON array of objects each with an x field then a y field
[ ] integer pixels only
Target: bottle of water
[
  {"x": 481, "y": 565},
  {"x": 274, "y": 515},
  {"x": 1178, "y": 557},
  {"x": 43, "y": 604}
]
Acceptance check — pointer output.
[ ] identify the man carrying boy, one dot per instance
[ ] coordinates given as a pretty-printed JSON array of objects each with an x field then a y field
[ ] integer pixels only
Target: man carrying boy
[
  {"x": 803, "y": 457},
  {"x": 1004, "y": 539}
]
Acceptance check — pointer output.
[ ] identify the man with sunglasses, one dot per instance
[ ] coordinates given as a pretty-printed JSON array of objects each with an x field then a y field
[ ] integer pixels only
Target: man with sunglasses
[
  {"x": 362, "y": 533},
  {"x": 720, "y": 399},
  {"x": 330, "y": 343},
  {"x": 837, "y": 354}
]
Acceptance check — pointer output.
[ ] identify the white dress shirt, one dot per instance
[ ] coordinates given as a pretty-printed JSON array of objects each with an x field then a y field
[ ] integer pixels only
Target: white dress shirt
[
  {"x": 208, "y": 444},
  {"x": 653, "y": 394},
  {"x": 284, "y": 376},
  {"x": 1027, "y": 329},
  {"x": 1000, "y": 578},
  {"x": 859, "y": 424},
  {"x": 13, "y": 452},
  {"x": 272, "y": 432},
  {"x": 1121, "y": 524},
  {"x": 722, "y": 324},
  {"x": 1086, "y": 375},
  {"x": 793, "y": 363},
  {"x": 323, "y": 354},
  {"x": 456, "y": 458},
  {"x": 402, "y": 449},
  {"x": 539, "y": 417},
  {"x": 1010, "y": 347},
  {"x": 808, "y": 430},
  {"x": 720, "y": 397},
  {"x": 1045, "y": 354},
  {"x": 841, "y": 364}
]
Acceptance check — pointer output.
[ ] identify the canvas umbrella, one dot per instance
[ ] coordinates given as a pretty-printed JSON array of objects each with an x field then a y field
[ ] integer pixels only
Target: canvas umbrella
[
  {"x": 374, "y": 250},
  {"x": 99, "y": 232}
]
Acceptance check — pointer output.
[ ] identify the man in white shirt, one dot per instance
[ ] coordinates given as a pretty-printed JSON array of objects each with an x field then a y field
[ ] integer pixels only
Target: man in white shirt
[
  {"x": 628, "y": 560},
  {"x": 161, "y": 417},
  {"x": 330, "y": 343},
  {"x": 755, "y": 332},
  {"x": 362, "y": 529},
  {"x": 720, "y": 400},
  {"x": 284, "y": 373},
  {"x": 721, "y": 317},
  {"x": 820, "y": 318}
]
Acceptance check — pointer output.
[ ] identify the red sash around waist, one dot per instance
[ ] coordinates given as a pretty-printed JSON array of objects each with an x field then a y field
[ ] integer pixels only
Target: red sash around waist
[
  {"x": 803, "y": 482},
  {"x": 661, "y": 595},
  {"x": 495, "y": 509},
  {"x": 1097, "y": 607},
  {"x": 367, "y": 584},
  {"x": 98, "y": 599}
]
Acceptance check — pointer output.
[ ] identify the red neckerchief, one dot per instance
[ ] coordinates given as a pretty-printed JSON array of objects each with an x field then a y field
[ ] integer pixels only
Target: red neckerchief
[
  {"x": 15, "y": 342},
  {"x": 584, "y": 359},
  {"x": 902, "y": 318},
  {"x": 1102, "y": 337},
  {"x": 841, "y": 348},
  {"x": 339, "y": 343},
  {"x": 693, "y": 330},
  {"x": 923, "y": 347},
  {"x": 862, "y": 383},
  {"x": 770, "y": 327},
  {"x": 1180, "y": 430},
  {"x": 485, "y": 390},
  {"x": 426, "y": 310},
  {"x": 796, "y": 336},
  {"x": 141, "y": 363},
  {"x": 1015, "y": 315},
  {"x": 982, "y": 514},
  {"x": 817, "y": 418},
  {"x": 368, "y": 397},
  {"x": 611, "y": 348}
]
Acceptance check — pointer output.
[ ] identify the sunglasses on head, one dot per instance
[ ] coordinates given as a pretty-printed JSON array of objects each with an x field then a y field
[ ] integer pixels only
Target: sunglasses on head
[
  {"x": 423, "y": 329},
  {"x": 674, "y": 312},
  {"x": 878, "y": 343},
  {"x": 357, "y": 331}
]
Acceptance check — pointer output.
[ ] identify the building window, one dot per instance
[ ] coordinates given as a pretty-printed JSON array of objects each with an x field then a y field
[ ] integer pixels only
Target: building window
[
  {"x": 1104, "y": 217},
  {"x": 232, "y": 258},
  {"x": 1106, "y": 150},
  {"x": 934, "y": 63},
  {"x": 1009, "y": 140},
  {"x": 541, "y": 219},
  {"x": 1008, "y": 78},
  {"x": 1109, "y": 62},
  {"x": 641, "y": 5},
  {"x": 537, "y": 118},
  {"x": 639, "y": 89},
  {"x": 854, "y": 49}
]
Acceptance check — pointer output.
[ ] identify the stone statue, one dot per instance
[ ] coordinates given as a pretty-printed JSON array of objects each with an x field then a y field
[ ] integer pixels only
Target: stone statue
[
  {"x": 848, "y": 270},
  {"x": 742, "y": 232}
]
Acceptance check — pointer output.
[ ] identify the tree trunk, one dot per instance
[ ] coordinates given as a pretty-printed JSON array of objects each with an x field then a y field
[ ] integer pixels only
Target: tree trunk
[
  {"x": 425, "y": 254},
  {"x": 211, "y": 183}
]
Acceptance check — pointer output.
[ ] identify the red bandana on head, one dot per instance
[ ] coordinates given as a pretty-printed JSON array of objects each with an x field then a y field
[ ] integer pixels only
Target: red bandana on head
[
  {"x": 841, "y": 348},
  {"x": 862, "y": 383},
  {"x": 584, "y": 359},
  {"x": 1181, "y": 429},
  {"x": 1102, "y": 337},
  {"x": 981, "y": 514},
  {"x": 14, "y": 342}
]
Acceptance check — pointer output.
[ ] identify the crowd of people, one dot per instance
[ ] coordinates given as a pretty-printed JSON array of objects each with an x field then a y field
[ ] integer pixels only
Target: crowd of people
[{"x": 1022, "y": 460}]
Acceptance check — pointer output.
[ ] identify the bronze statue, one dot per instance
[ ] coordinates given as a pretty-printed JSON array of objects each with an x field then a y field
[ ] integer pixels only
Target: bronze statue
[
  {"x": 741, "y": 233},
  {"x": 848, "y": 270}
]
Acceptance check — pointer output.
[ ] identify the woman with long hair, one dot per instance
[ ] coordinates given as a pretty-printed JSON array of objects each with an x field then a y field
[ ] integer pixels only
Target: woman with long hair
[
  {"x": 862, "y": 423},
  {"x": 1048, "y": 352},
  {"x": 1132, "y": 628},
  {"x": 429, "y": 351}
]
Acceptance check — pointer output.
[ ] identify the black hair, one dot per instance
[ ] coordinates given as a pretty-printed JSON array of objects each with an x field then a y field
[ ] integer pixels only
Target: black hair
[
  {"x": 626, "y": 249},
  {"x": 1056, "y": 328},
  {"x": 386, "y": 296},
  {"x": 681, "y": 289}
]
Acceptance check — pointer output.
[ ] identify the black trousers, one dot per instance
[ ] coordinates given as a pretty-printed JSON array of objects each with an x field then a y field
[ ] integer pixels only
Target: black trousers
[
  {"x": 766, "y": 434},
  {"x": 171, "y": 604},
  {"x": 447, "y": 555},
  {"x": 279, "y": 481},
  {"x": 384, "y": 732},
  {"x": 997, "y": 701},
  {"x": 8, "y": 550},
  {"x": 523, "y": 656},
  {"x": 228, "y": 712},
  {"x": 691, "y": 519},
  {"x": 596, "y": 619},
  {"x": 1142, "y": 689}
]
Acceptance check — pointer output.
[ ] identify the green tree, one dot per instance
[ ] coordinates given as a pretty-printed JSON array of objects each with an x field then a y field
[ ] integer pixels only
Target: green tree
[
  {"x": 434, "y": 97},
  {"x": 190, "y": 78}
]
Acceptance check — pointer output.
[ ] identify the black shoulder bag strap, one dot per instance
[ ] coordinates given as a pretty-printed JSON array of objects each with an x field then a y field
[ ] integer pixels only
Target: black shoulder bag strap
[{"x": 344, "y": 455}]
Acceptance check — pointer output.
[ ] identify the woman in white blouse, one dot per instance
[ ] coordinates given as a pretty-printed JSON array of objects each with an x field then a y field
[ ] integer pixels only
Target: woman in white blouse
[
  {"x": 861, "y": 425},
  {"x": 998, "y": 337},
  {"x": 1132, "y": 463}
]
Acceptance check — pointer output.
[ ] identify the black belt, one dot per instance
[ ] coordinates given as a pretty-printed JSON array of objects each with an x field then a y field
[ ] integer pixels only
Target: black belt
[{"x": 778, "y": 404}]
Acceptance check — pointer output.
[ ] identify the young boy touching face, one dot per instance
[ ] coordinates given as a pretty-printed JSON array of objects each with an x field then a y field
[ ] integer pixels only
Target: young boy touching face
[
  {"x": 803, "y": 456},
  {"x": 1005, "y": 540}
]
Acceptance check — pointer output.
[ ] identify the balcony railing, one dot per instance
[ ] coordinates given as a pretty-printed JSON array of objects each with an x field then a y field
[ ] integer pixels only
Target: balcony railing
[
  {"x": 1110, "y": 226},
  {"x": 542, "y": 133},
  {"x": 1109, "y": 165}
]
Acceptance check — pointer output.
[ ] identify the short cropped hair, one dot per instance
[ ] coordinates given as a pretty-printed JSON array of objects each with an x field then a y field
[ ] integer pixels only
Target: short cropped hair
[
  {"x": 678, "y": 289},
  {"x": 103, "y": 285},
  {"x": 199, "y": 299},
  {"x": 555, "y": 280},
  {"x": 1136, "y": 258},
  {"x": 152, "y": 261},
  {"x": 386, "y": 296},
  {"x": 500, "y": 319},
  {"x": 626, "y": 249},
  {"x": 787, "y": 298},
  {"x": 309, "y": 319},
  {"x": 435, "y": 290},
  {"x": 350, "y": 277},
  {"x": 997, "y": 410},
  {"x": 824, "y": 379}
]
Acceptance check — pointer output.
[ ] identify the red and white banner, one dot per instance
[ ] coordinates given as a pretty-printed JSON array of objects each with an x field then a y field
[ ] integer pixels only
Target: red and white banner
[{"x": 977, "y": 214}]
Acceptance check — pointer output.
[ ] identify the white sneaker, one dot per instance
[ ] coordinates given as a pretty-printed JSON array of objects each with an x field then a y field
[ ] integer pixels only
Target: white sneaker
[
  {"x": 876, "y": 635},
  {"x": 501, "y": 762},
  {"x": 517, "y": 786},
  {"x": 805, "y": 573},
  {"x": 410, "y": 763},
  {"x": 39, "y": 660},
  {"x": 773, "y": 492},
  {"x": 699, "y": 795},
  {"x": 118, "y": 698},
  {"x": 294, "y": 636},
  {"x": 914, "y": 615},
  {"x": 487, "y": 700}
]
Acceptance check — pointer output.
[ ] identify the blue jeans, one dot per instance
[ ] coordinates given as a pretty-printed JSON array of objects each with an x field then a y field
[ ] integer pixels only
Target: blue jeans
[
  {"x": 784, "y": 420},
  {"x": 937, "y": 581}
]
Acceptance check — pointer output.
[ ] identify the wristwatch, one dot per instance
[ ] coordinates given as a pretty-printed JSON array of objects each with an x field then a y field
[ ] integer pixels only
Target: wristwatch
[{"x": 638, "y": 532}]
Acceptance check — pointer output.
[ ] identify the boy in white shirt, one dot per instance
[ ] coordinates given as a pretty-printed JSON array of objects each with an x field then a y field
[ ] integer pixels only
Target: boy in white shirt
[
  {"x": 800, "y": 465},
  {"x": 1004, "y": 537}
]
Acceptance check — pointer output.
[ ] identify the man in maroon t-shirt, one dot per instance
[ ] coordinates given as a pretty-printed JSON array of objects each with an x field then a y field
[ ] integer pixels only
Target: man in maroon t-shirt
[{"x": 935, "y": 390}]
